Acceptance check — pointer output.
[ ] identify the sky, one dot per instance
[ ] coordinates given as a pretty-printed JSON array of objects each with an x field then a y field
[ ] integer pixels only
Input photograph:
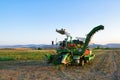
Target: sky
[{"x": 36, "y": 21}]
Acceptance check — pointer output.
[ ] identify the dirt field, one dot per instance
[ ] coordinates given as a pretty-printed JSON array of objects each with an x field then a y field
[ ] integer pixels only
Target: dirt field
[{"x": 106, "y": 66}]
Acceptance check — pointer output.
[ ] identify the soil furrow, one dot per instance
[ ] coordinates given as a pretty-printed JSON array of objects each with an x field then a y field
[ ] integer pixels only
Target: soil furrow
[{"x": 105, "y": 66}]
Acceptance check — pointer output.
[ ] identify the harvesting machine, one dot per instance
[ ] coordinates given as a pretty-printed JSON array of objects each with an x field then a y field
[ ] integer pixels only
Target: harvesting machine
[{"x": 73, "y": 52}]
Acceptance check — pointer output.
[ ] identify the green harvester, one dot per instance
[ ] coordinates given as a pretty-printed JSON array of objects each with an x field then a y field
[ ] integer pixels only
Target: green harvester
[{"x": 73, "y": 52}]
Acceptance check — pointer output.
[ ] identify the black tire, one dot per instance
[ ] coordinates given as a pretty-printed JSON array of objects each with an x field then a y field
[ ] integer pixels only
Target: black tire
[{"x": 86, "y": 61}]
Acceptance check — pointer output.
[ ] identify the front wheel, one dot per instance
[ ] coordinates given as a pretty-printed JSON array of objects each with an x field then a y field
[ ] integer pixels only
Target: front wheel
[{"x": 82, "y": 62}]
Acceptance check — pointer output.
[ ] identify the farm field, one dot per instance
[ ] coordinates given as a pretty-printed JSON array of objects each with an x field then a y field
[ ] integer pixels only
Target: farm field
[{"x": 23, "y": 66}]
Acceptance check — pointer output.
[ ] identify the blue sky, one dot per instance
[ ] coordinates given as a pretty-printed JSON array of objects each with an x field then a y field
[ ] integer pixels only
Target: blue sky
[{"x": 35, "y": 21}]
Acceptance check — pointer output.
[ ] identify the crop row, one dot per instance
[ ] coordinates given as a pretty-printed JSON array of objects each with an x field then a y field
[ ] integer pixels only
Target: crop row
[{"x": 6, "y": 55}]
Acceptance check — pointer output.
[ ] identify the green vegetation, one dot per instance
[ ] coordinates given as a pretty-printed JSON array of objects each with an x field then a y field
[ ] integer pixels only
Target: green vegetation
[{"x": 6, "y": 55}]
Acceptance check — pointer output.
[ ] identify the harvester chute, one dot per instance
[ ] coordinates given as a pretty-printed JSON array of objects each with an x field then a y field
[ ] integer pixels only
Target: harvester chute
[{"x": 89, "y": 35}]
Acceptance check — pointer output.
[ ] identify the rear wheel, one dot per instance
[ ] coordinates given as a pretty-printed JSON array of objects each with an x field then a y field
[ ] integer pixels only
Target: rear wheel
[{"x": 86, "y": 61}]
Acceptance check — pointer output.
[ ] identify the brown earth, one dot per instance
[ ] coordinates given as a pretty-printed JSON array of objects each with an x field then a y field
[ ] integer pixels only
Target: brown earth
[{"x": 105, "y": 66}]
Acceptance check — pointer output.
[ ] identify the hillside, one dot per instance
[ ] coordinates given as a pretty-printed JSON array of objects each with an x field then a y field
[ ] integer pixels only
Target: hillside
[{"x": 110, "y": 45}]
